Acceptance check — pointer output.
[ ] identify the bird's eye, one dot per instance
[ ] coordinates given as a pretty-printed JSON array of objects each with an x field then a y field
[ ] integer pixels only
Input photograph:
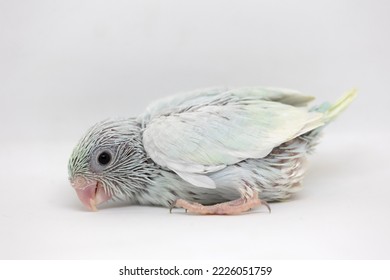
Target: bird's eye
[{"x": 104, "y": 158}]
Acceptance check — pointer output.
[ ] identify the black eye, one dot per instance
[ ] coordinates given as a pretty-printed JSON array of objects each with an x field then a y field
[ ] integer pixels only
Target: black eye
[{"x": 104, "y": 158}]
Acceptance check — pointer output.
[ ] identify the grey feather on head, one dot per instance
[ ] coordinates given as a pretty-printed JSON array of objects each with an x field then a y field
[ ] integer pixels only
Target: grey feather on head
[{"x": 111, "y": 154}]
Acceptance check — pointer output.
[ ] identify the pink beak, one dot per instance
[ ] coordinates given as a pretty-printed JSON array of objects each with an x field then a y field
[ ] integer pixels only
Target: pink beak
[{"x": 90, "y": 192}]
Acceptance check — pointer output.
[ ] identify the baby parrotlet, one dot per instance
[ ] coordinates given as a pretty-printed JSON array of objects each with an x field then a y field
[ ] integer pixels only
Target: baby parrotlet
[{"x": 212, "y": 151}]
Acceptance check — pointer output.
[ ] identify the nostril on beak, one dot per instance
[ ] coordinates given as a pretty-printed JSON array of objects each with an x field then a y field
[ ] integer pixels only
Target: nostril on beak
[{"x": 79, "y": 182}]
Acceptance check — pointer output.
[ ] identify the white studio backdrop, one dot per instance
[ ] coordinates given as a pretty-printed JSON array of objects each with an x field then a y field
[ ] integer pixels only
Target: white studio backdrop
[{"x": 65, "y": 65}]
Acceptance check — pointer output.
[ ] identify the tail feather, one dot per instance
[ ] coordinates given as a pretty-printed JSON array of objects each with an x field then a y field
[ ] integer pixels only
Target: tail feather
[
  {"x": 330, "y": 112},
  {"x": 335, "y": 109}
]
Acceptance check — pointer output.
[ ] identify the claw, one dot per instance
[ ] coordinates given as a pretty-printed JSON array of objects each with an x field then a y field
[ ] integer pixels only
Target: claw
[
  {"x": 266, "y": 205},
  {"x": 173, "y": 204}
]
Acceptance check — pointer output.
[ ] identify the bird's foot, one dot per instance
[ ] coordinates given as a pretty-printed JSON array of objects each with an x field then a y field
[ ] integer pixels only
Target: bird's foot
[{"x": 233, "y": 207}]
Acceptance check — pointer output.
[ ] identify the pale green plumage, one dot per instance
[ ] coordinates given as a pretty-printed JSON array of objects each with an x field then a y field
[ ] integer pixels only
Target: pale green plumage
[{"x": 235, "y": 125}]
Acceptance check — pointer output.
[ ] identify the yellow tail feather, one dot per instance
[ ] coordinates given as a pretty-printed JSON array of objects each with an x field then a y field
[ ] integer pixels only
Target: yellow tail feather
[{"x": 341, "y": 104}]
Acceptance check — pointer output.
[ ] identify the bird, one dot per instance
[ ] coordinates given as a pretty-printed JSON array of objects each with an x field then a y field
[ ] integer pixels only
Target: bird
[{"x": 213, "y": 151}]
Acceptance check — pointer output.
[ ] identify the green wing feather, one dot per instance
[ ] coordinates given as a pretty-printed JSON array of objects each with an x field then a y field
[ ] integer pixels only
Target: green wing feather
[{"x": 223, "y": 128}]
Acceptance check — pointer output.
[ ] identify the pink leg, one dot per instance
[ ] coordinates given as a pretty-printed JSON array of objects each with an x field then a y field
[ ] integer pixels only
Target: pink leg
[{"x": 227, "y": 208}]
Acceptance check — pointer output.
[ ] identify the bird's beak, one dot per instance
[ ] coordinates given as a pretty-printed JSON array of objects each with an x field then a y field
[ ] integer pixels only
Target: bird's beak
[{"x": 90, "y": 192}]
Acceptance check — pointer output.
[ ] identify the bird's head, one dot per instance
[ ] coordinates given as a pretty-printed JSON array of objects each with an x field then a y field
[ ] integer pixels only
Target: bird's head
[{"x": 105, "y": 163}]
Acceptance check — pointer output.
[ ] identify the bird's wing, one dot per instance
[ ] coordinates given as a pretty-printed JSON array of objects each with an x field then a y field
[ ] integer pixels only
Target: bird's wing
[
  {"x": 231, "y": 127},
  {"x": 219, "y": 95}
]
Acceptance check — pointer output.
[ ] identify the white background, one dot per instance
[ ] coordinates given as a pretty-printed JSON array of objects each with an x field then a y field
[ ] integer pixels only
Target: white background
[{"x": 65, "y": 65}]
